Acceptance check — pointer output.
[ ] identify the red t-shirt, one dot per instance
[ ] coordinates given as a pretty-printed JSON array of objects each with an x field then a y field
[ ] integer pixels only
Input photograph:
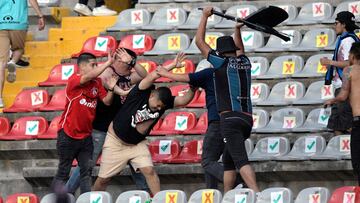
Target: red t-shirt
[{"x": 81, "y": 101}]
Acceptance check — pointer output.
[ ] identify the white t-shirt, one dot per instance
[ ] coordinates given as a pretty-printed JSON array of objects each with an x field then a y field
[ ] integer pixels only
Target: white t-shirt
[{"x": 342, "y": 55}]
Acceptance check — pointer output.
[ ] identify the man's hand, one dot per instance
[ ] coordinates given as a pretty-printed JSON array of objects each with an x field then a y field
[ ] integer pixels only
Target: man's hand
[
  {"x": 41, "y": 23},
  {"x": 123, "y": 55},
  {"x": 329, "y": 103},
  {"x": 180, "y": 57},
  {"x": 239, "y": 25},
  {"x": 161, "y": 71},
  {"x": 208, "y": 11},
  {"x": 111, "y": 82},
  {"x": 110, "y": 59},
  {"x": 325, "y": 61}
]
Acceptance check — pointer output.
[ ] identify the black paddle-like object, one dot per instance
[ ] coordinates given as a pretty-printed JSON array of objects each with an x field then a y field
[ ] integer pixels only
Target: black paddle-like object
[{"x": 263, "y": 20}]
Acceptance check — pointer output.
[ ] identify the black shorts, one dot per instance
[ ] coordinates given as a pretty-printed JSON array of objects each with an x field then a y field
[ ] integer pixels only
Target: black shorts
[{"x": 341, "y": 115}]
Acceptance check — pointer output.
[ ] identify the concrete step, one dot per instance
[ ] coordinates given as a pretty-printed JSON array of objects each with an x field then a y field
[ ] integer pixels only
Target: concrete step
[
  {"x": 75, "y": 34},
  {"x": 88, "y": 22}
]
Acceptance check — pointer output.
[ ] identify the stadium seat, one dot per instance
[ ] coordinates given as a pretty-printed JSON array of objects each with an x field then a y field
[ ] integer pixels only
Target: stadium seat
[
  {"x": 316, "y": 121},
  {"x": 177, "y": 123},
  {"x": 51, "y": 198},
  {"x": 351, "y": 6},
  {"x": 244, "y": 195},
  {"x": 155, "y": 1},
  {"x": 166, "y": 18},
  {"x": 249, "y": 146},
  {"x": 29, "y": 101},
  {"x": 259, "y": 66},
  {"x": 22, "y": 197},
  {"x": 240, "y": 11},
  {"x": 284, "y": 93},
  {"x": 305, "y": 147},
  {"x": 170, "y": 44},
  {"x": 98, "y": 46},
  {"x": 138, "y": 43},
  {"x": 291, "y": 10},
  {"x": 203, "y": 64},
  {"x": 316, "y": 39},
  {"x": 313, "y": 195},
  {"x": 206, "y": 195},
  {"x": 1, "y": 200},
  {"x": 276, "y": 194},
  {"x": 199, "y": 100},
  {"x": 259, "y": 92},
  {"x": 95, "y": 196},
  {"x": 260, "y": 119},
  {"x": 270, "y": 148},
  {"x": 194, "y": 17},
  {"x": 313, "y": 13},
  {"x": 313, "y": 67},
  {"x": 162, "y": 151},
  {"x": 201, "y": 125},
  {"x": 275, "y": 44},
  {"x": 27, "y": 128},
  {"x": 317, "y": 93},
  {"x": 191, "y": 153},
  {"x": 4, "y": 126},
  {"x": 187, "y": 67},
  {"x": 57, "y": 102},
  {"x": 149, "y": 66},
  {"x": 60, "y": 74},
  {"x": 346, "y": 194},
  {"x": 49, "y": 3},
  {"x": 156, "y": 127},
  {"x": 210, "y": 39},
  {"x": 131, "y": 19},
  {"x": 284, "y": 120},
  {"x": 283, "y": 67},
  {"x": 252, "y": 40},
  {"x": 176, "y": 196},
  {"x": 337, "y": 148},
  {"x": 133, "y": 196},
  {"x": 51, "y": 132}
]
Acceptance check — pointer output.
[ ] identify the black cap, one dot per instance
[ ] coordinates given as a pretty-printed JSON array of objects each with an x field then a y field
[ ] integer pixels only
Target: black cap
[
  {"x": 348, "y": 19},
  {"x": 225, "y": 44}
]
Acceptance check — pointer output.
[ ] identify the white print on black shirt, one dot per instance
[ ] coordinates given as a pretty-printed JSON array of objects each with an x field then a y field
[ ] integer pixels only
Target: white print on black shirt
[{"x": 143, "y": 115}]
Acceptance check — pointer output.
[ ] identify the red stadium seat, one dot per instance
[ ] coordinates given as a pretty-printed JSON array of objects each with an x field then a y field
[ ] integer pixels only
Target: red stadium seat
[
  {"x": 149, "y": 66},
  {"x": 4, "y": 126},
  {"x": 51, "y": 132},
  {"x": 191, "y": 153},
  {"x": 201, "y": 126},
  {"x": 22, "y": 198},
  {"x": 199, "y": 101},
  {"x": 138, "y": 43},
  {"x": 57, "y": 102},
  {"x": 28, "y": 101},
  {"x": 345, "y": 194},
  {"x": 156, "y": 127},
  {"x": 1, "y": 200},
  {"x": 27, "y": 128},
  {"x": 98, "y": 46},
  {"x": 60, "y": 74},
  {"x": 188, "y": 67},
  {"x": 176, "y": 123},
  {"x": 164, "y": 150}
]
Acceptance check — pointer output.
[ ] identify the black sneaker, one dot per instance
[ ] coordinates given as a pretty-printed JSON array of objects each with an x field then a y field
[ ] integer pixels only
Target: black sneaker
[{"x": 22, "y": 63}]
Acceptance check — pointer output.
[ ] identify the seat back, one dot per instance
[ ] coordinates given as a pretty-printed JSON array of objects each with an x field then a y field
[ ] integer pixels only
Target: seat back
[
  {"x": 318, "y": 10},
  {"x": 259, "y": 66},
  {"x": 191, "y": 152},
  {"x": 318, "y": 118},
  {"x": 276, "y": 194},
  {"x": 206, "y": 195},
  {"x": 287, "y": 91},
  {"x": 271, "y": 147},
  {"x": 345, "y": 194},
  {"x": 29, "y": 100},
  {"x": 164, "y": 150},
  {"x": 60, "y": 74},
  {"x": 338, "y": 146},
  {"x": 313, "y": 194},
  {"x": 203, "y": 64},
  {"x": 249, "y": 146},
  {"x": 307, "y": 146},
  {"x": 291, "y": 10},
  {"x": 318, "y": 38},
  {"x": 313, "y": 66},
  {"x": 252, "y": 40},
  {"x": 54, "y": 127},
  {"x": 175, "y": 196},
  {"x": 133, "y": 196},
  {"x": 287, "y": 118},
  {"x": 195, "y": 16},
  {"x": 51, "y": 198},
  {"x": 260, "y": 118},
  {"x": 22, "y": 197},
  {"x": 275, "y": 42},
  {"x": 201, "y": 125},
  {"x": 137, "y": 43},
  {"x": 351, "y": 6},
  {"x": 319, "y": 91},
  {"x": 4, "y": 126},
  {"x": 57, "y": 102},
  {"x": 244, "y": 195},
  {"x": 30, "y": 126},
  {"x": 131, "y": 18},
  {"x": 240, "y": 11},
  {"x": 169, "y": 16},
  {"x": 172, "y": 42},
  {"x": 286, "y": 65},
  {"x": 95, "y": 196},
  {"x": 149, "y": 66},
  {"x": 259, "y": 92},
  {"x": 178, "y": 122},
  {"x": 210, "y": 39},
  {"x": 99, "y": 46},
  {"x": 187, "y": 66}
]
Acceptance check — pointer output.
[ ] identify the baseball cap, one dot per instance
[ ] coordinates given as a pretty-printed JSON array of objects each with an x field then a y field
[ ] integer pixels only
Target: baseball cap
[{"x": 348, "y": 19}]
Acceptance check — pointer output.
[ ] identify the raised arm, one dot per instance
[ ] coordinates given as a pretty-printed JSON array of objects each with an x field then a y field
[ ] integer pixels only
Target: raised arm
[
  {"x": 180, "y": 57},
  {"x": 200, "y": 34},
  {"x": 345, "y": 88},
  {"x": 183, "y": 100},
  {"x": 41, "y": 21},
  {"x": 94, "y": 73},
  {"x": 175, "y": 77},
  {"x": 238, "y": 39},
  {"x": 149, "y": 80}
]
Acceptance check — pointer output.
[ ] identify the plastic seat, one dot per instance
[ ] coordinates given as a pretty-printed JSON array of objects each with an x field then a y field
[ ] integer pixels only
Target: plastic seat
[
  {"x": 337, "y": 148},
  {"x": 313, "y": 13},
  {"x": 283, "y": 67},
  {"x": 191, "y": 153},
  {"x": 177, "y": 123},
  {"x": 316, "y": 39},
  {"x": 149, "y": 66},
  {"x": 198, "y": 101},
  {"x": 240, "y": 11},
  {"x": 291, "y": 10},
  {"x": 201, "y": 125},
  {"x": 98, "y": 46},
  {"x": 316, "y": 121},
  {"x": 249, "y": 146},
  {"x": 351, "y": 6},
  {"x": 284, "y": 93},
  {"x": 4, "y": 126},
  {"x": 135, "y": 196},
  {"x": 206, "y": 195},
  {"x": 187, "y": 67},
  {"x": 22, "y": 197},
  {"x": 155, "y": 1},
  {"x": 259, "y": 66},
  {"x": 252, "y": 40},
  {"x": 305, "y": 147},
  {"x": 345, "y": 194},
  {"x": 203, "y": 64},
  {"x": 284, "y": 120},
  {"x": 259, "y": 92},
  {"x": 27, "y": 128},
  {"x": 276, "y": 44},
  {"x": 131, "y": 19},
  {"x": 156, "y": 127},
  {"x": 270, "y": 148},
  {"x": 137, "y": 43},
  {"x": 176, "y": 196},
  {"x": 60, "y": 74},
  {"x": 94, "y": 196},
  {"x": 51, "y": 198},
  {"x": 314, "y": 195},
  {"x": 51, "y": 132},
  {"x": 260, "y": 119},
  {"x": 276, "y": 194},
  {"x": 1, "y": 200},
  {"x": 166, "y": 18},
  {"x": 244, "y": 195},
  {"x": 57, "y": 102},
  {"x": 317, "y": 93},
  {"x": 194, "y": 17},
  {"x": 313, "y": 67},
  {"x": 210, "y": 39},
  {"x": 162, "y": 151},
  {"x": 28, "y": 101},
  {"x": 170, "y": 44}
]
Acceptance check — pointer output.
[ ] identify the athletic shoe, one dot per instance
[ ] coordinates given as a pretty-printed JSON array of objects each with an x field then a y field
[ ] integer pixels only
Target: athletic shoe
[
  {"x": 82, "y": 9},
  {"x": 11, "y": 77},
  {"x": 22, "y": 63},
  {"x": 1, "y": 103},
  {"x": 103, "y": 11}
]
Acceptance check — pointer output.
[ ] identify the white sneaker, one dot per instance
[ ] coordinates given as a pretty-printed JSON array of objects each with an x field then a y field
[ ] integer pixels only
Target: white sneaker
[
  {"x": 1, "y": 103},
  {"x": 11, "y": 77},
  {"x": 103, "y": 11},
  {"x": 82, "y": 9}
]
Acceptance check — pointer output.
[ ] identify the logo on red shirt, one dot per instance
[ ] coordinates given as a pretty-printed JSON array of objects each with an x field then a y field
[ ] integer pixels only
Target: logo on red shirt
[
  {"x": 94, "y": 91},
  {"x": 88, "y": 104}
]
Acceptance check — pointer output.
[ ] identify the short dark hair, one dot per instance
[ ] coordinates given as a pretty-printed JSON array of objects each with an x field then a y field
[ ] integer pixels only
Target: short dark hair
[
  {"x": 84, "y": 58},
  {"x": 355, "y": 50},
  {"x": 349, "y": 27},
  {"x": 165, "y": 96}
]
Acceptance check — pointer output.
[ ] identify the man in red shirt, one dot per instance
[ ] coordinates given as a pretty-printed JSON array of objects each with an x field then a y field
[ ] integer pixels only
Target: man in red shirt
[{"x": 74, "y": 138}]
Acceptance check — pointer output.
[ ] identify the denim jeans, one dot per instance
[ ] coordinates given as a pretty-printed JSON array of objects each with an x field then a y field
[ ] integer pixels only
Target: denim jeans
[{"x": 98, "y": 138}]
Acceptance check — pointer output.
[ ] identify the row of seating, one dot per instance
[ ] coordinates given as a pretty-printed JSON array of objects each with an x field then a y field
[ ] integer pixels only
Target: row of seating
[{"x": 238, "y": 195}]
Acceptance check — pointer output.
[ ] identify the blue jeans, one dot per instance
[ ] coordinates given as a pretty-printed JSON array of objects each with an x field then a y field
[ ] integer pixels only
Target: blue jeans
[{"x": 98, "y": 138}]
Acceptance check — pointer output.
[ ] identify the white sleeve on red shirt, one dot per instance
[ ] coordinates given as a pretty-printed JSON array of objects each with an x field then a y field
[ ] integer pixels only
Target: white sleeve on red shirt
[
  {"x": 102, "y": 92},
  {"x": 345, "y": 48}
]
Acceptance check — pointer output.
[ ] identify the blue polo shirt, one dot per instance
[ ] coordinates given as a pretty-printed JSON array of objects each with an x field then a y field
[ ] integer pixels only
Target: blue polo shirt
[{"x": 13, "y": 14}]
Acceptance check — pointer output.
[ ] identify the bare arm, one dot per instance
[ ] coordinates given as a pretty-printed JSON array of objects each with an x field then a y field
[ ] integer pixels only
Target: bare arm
[
  {"x": 180, "y": 57},
  {"x": 94, "y": 73},
  {"x": 183, "y": 100},
  {"x": 121, "y": 92},
  {"x": 109, "y": 98},
  {"x": 340, "y": 64},
  {"x": 238, "y": 39},
  {"x": 139, "y": 74},
  {"x": 200, "y": 34},
  {"x": 175, "y": 77},
  {"x": 41, "y": 22},
  {"x": 345, "y": 88},
  {"x": 149, "y": 80}
]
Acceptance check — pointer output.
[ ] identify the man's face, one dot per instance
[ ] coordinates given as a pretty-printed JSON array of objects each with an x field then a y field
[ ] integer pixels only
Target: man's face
[
  {"x": 351, "y": 59},
  {"x": 87, "y": 67},
  {"x": 339, "y": 27},
  {"x": 154, "y": 103}
]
